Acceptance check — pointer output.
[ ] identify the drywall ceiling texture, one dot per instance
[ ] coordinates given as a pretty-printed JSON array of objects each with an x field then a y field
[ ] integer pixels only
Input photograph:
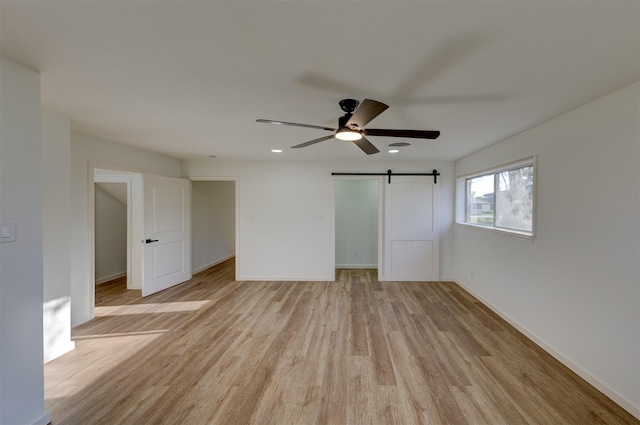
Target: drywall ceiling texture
[{"x": 189, "y": 78}]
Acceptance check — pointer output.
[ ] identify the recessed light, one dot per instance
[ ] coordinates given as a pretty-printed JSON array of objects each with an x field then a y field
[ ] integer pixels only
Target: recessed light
[
  {"x": 276, "y": 150},
  {"x": 394, "y": 150}
]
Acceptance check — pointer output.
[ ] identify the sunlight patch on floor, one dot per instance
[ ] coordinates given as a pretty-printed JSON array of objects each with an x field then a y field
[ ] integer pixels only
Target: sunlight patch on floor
[
  {"x": 151, "y": 308},
  {"x": 117, "y": 335},
  {"x": 91, "y": 347}
]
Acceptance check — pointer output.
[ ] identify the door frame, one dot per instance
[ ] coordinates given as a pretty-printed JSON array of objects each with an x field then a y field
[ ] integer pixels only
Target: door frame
[{"x": 380, "y": 181}]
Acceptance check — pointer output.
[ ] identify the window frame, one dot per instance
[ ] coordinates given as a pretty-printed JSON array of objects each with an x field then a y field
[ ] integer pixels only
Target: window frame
[{"x": 461, "y": 199}]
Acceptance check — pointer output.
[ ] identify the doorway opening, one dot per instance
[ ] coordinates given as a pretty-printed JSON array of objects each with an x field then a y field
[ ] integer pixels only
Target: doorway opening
[
  {"x": 358, "y": 223},
  {"x": 213, "y": 222},
  {"x": 116, "y": 207},
  {"x": 110, "y": 237}
]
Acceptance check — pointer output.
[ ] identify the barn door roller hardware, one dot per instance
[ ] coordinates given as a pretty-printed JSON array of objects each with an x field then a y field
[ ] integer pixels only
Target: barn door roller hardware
[{"x": 389, "y": 173}]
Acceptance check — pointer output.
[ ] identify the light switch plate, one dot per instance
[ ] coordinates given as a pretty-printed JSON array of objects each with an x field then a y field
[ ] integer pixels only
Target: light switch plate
[{"x": 7, "y": 232}]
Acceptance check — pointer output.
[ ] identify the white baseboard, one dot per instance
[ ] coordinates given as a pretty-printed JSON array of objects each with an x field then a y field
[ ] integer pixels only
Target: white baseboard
[
  {"x": 579, "y": 370},
  {"x": 286, "y": 278},
  {"x": 356, "y": 266},
  {"x": 214, "y": 263},
  {"x": 58, "y": 351},
  {"x": 110, "y": 277},
  {"x": 43, "y": 419}
]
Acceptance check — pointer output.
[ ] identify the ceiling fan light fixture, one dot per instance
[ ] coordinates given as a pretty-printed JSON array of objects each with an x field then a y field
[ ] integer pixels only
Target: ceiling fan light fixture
[
  {"x": 348, "y": 135},
  {"x": 351, "y": 127}
]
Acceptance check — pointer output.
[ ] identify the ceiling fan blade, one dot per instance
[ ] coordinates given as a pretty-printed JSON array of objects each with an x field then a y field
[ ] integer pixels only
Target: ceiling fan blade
[
  {"x": 366, "y": 146},
  {"x": 294, "y": 124},
  {"x": 312, "y": 142},
  {"x": 368, "y": 110},
  {"x": 414, "y": 134}
]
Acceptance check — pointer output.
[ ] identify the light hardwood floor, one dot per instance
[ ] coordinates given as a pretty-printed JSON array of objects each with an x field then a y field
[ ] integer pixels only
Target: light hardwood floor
[{"x": 354, "y": 351}]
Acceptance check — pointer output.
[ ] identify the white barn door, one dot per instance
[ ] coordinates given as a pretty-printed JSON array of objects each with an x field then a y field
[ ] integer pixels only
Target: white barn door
[
  {"x": 167, "y": 232},
  {"x": 411, "y": 234}
]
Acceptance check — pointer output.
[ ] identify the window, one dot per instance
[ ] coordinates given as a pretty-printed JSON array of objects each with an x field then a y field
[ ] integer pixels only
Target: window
[{"x": 501, "y": 199}]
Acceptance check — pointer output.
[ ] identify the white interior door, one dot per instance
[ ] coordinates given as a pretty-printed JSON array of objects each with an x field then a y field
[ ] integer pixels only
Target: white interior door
[
  {"x": 411, "y": 248},
  {"x": 167, "y": 233}
]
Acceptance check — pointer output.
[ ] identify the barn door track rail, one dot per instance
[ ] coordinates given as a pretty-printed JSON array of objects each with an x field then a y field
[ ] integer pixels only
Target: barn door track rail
[{"x": 389, "y": 173}]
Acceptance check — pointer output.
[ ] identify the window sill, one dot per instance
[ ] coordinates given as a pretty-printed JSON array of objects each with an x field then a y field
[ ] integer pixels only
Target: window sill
[{"x": 500, "y": 232}]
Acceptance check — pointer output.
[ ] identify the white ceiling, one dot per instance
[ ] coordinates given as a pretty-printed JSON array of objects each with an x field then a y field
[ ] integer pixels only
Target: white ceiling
[{"x": 189, "y": 78}]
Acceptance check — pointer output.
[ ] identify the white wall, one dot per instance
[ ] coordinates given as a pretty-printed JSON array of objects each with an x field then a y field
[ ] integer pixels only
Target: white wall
[
  {"x": 356, "y": 221},
  {"x": 286, "y": 215},
  {"x": 110, "y": 233},
  {"x": 21, "y": 262},
  {"x": 576, "y": 288},
  {"x": 56, "y": 162},
  {"x": 213, "y": 223},
  {"x": 86, "y": 152}
]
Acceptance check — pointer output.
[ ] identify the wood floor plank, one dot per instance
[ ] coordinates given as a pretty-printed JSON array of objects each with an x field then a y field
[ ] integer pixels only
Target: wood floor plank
[
  {"x": 412, "y": 390},
  {"x": 354, "y": 351},
  {"x": 476, "y": 408},
  {"x": 361, "y": 392},
  {"x": 383, "y": 368},
  {"x": 333, "y": 403}
]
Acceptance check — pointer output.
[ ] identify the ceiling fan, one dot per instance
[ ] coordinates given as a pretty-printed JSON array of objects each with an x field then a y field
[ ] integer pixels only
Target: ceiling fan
[{"x": 351, "y": 126}]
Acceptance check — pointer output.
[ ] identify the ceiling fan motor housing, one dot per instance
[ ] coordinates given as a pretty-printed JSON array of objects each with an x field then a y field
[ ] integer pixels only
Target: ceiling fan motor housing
[{"x": 349, "y": 105}]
